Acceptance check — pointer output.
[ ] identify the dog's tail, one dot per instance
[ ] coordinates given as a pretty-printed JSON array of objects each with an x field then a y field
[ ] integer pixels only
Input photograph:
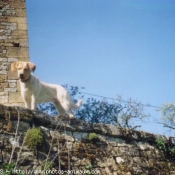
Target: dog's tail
[{"x": 76, "y": 106}]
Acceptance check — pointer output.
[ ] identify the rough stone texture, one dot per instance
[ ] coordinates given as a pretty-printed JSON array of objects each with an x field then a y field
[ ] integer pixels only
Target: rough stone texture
[
  {"x": 13, "y": 47},
  {"x": 67, "y": 147}
]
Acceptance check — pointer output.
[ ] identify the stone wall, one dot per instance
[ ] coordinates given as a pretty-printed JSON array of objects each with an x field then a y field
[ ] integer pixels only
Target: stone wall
[
  {"x": 13, "y": 47},
  {"x": 67, "y": 146}
]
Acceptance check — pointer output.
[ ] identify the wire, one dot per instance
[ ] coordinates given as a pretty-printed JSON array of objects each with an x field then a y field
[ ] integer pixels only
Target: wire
[{"x": 125, "y": 101}]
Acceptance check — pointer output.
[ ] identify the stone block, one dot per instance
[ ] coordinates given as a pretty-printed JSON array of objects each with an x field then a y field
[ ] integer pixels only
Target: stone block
[
  {"x": 7, "y": 44},
  {"x": 12, "y": 59},
  {"x": 12, "y": 81},
  {"x": 24, "y": 59},
  {"x": 20, "y": 12},
  {"x": 22, "y": 26},
  {"x": 10, "y": 89},
  {"x": 23, "y": 126},
  {"x": 4, "y": 72},
  {"x": 2, "y": 93},
  {"x": 3, "y": 37},
  {"x": 12, "y": 75},
  {"x": 17, "y": 104},
  {"x": 23, "y": 42},
  {"x": 3, "y": 99},
  {"x": 2, "y": 86},
  {"x": 15, "y": 97},
  {"x": 80, "y": 135},
  {"x": 17, "y": 4},
  {"x": 11, "y": 26},
  {"x": 12, "y": 85},
  {"x": 19, "y": 20},
  {"x": 18, "y": 86},
  {"x": 19, "y": 34},
  {"x": 17, "y": 52},
  {"x": 3, "y": 67},
  {"x": 3, "y": 59},
  {"x": 3, "y": 77},
  {"x": 1, "y": 27}
]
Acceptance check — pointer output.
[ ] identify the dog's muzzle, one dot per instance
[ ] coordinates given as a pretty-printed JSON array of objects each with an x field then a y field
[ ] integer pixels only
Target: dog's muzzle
[{"x": 21, "y": 76}]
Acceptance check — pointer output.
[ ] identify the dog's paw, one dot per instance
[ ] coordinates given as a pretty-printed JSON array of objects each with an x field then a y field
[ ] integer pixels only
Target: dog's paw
[{"x": 71, "y": 116}]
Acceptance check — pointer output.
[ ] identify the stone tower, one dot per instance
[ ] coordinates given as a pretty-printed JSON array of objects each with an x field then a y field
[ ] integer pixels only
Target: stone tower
[{"x": 13, "y": 47}]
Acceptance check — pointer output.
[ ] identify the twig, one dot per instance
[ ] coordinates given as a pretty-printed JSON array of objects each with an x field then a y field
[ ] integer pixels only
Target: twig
[
  {"x": 50, "y": 147},
  {"x": 20, "y": 151},
  {"x": 15, "y": 140}
]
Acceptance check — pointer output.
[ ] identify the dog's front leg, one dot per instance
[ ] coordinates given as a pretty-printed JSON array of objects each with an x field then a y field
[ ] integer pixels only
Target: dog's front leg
[
  {"x": 27, "y": 101},
  {"x": 27, "y": 105},
  {"x": 33, "y": 103}
]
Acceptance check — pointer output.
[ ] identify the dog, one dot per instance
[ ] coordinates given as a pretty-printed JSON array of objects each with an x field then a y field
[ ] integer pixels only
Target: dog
[{"x": 34, "y": 91}]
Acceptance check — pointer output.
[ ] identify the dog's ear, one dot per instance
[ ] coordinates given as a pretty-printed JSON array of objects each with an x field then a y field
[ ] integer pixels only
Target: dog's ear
[
  {"x": 14, "y": 66},
  {"x": 32, "y": 67}
]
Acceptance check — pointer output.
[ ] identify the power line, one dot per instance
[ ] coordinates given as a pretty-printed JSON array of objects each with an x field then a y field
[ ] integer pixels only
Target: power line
[{"x": 125, "y": 101}]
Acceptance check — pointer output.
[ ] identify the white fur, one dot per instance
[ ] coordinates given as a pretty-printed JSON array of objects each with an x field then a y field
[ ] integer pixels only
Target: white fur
[{"x": 34, "y": 91}]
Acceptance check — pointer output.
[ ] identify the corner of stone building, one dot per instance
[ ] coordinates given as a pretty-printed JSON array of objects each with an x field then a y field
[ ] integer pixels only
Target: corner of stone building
[{"x": 13, "y": 47}]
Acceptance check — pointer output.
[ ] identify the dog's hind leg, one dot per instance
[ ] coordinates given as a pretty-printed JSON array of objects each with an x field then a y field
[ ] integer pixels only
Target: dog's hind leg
[
  {"x": 59, "y": 108},
  {"x": 67, "y": 107}
]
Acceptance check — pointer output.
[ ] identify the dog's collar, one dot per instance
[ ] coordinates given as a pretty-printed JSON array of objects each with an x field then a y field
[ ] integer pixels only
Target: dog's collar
[{"x": 25, "y": 80}]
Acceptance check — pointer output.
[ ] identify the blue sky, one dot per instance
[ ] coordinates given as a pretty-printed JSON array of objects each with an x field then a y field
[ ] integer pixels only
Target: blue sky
[{"x": 110, "y": 47}]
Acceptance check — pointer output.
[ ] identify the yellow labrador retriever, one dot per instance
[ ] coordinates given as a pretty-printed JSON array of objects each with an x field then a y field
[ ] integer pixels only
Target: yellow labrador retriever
[{"x": 34, "y": 91}]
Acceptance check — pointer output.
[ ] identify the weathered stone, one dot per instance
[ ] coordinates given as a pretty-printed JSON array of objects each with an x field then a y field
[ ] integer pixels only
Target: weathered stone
[
  {"x": 23, "y": 126},
  {"x": 136, "y": 157},
  {"x": 17, "y": 52},
  {"x": 12, "y": 75},
  {"x": 3, "y": 99},
  {"x": 12, "y": 85},
  {"x": 80, "y": 135},
  {"x": 19, "y": 20},
  {"x": 21, "y": 12},
  {"x": 3, "y": 86},
  {"x": 12, "y": 59},
  {"x": 13, "y": 47},
  {"x": 65, "y": 141},
  {"x": 107, "y": 170},
  {"x": 15, "y": 112},
  {"x": 12, "y": 81},
  {"x": 3, "y": 37},
  {"x": 19, "y": 34},
  {"x": 23, "y": 42},
  {"x": 4, "y": 72},
  {"x": 3, "y": 93},
  {"x": 17, "y": 4},
  {"x": 119, "y": 160},
  {"x": 14, "y": 97},
  {"x": 22, "y": 26},
  {"x": 10, "y": 89},
  {"x": 3, "y": 59},
  {"x": 3, "y": 77}
]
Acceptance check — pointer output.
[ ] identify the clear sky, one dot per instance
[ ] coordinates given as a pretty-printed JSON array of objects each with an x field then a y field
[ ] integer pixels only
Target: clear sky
[{"x": 110, "y": 47}]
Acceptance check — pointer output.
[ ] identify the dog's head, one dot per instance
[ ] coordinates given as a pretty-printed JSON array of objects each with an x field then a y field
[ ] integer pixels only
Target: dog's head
[{"x": 24, "y": 69}]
